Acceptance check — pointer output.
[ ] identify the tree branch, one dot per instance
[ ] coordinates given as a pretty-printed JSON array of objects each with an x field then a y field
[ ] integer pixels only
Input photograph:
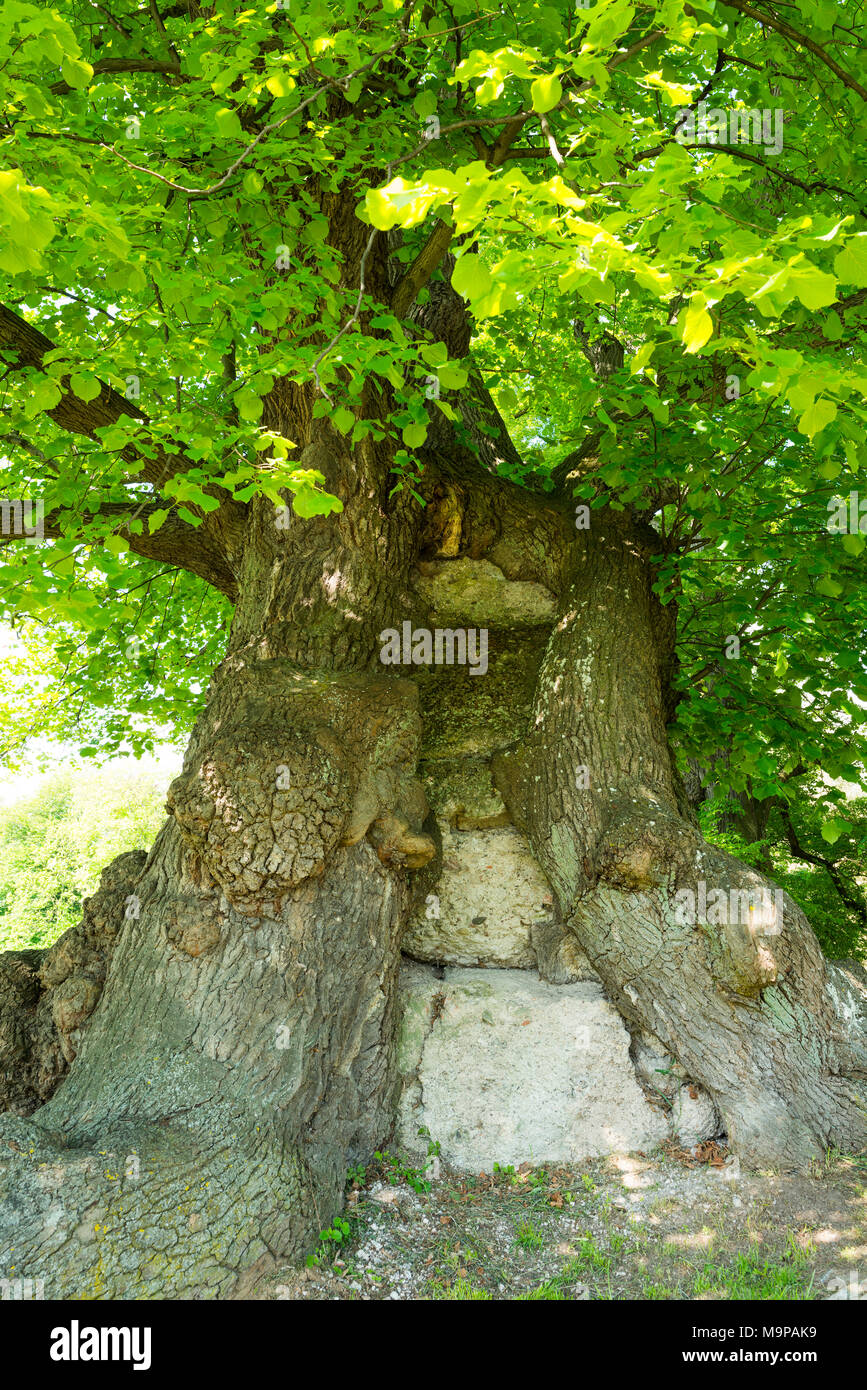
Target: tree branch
[
  {"x": 107, "y": 66},
  {"x": 786, "y": 30},
  {"x": 422, "y": 268},
  {"x": 75, "y": 415},
  {"x": 203, "y": 550},
  {"x": 851, "y": 899},
  {"x": 197, "y": 549}
]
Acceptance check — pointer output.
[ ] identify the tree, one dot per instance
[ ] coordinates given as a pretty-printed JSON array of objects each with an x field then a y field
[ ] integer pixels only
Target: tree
[{"x": 305, "y": 304}]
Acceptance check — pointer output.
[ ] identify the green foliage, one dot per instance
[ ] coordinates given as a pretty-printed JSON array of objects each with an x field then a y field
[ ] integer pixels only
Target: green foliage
[
  {"x": 462, "y": 1291},
  {"x": 54, "y": 844},
  {"x": 527, "y": 1237},
  {"x": 401, "y": 1169},
  {"x": 165, "y": 222},
  {"x": 330, "y": 1240},
  {"x": 836, "y": 919},
  {"x": 752, "y": 1277}
]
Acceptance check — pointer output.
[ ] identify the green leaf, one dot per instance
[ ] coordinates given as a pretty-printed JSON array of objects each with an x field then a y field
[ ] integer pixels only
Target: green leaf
[
  {"x": 87, "y": 388},
  {"x": 829, "y": 587},
  {"x": 545, "y": 93},
  {"x": 471, "y": 276},
  {"x": 425, "y": 104},
  {"x": 44, "y": 395},
  {"x": 817, "y": 416},
  {"x": 815, "y": 288},
  {"x": 851, "y": 263},
  {"x": 832, "y": 829},
  {"x": 452, "y": 378},
  {"x": 76, "y": 72},
  {"x": 414, "y": 435},
  {"x": 249, "y": 405},
  {"x": 853, "y": 544},
  {"x": 228, "y": 124},
  {"x": 343, "y": 419},
  {"x": 307, "y": 502},
  {"x": 280, "y": 84},
  {"x": 698, "y": 324}
]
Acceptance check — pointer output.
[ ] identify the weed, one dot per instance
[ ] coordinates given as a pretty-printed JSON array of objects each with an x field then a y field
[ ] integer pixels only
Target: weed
[
  {"x": 334, "y": 1236},
  {"x": 527, "y": 1237}
]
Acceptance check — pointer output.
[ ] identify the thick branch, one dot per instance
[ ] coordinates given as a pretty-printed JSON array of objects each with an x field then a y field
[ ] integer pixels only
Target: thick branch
[
  {"x": 422, "y": 268},
  {"x": 200, "y": 550},
  {"x": 85, "y": 417},
  {"x": 107, "y": 66},
  {"x": 204, "y": 550}
]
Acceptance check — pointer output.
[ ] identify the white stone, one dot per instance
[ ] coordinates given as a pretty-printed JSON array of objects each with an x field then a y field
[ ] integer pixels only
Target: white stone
[
  {"x": 490, "y": 892},
  {"x": 386, "y": 1196},
  {"x": 515, "y": 1070},
  {"x": 469, "y": 591},
  {"x": 693, "y": 1116},
  {"x": 489, "y": 895}
]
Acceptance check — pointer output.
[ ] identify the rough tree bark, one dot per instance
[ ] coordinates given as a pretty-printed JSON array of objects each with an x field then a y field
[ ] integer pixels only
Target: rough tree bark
[{"x": 240, "y": 1054}]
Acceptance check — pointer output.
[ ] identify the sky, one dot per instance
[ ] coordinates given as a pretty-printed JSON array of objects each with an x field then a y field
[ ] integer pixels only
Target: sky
[{"x": 15, "y": 786}]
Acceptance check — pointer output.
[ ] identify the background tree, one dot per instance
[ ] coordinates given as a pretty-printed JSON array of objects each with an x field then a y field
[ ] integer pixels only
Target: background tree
[{"x": 282, "y": 283}]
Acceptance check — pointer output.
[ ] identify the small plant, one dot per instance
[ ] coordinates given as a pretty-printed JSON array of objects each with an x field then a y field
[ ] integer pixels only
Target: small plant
[
  {"x": 590, "y": 1254},
  {"x": 751, "y": 1277},
  {"x": 550, "y": 1292},
  {"x": 527, "y": 1237},
  {"x": 413, "y": 1177},
  {"x": 335, "y": 1236}
]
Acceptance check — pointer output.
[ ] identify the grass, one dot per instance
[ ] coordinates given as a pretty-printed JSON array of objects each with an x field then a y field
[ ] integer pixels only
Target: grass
[
  {"x": 462, "y": 1291},
  {"x": 528, "y": 1238},
  {"x": 755, "y": 1278},
  {"x": 513, "y": 1235}
]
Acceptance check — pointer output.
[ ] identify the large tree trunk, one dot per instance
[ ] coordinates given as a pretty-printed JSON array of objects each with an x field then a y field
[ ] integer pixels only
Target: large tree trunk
[
  {"x": 240, "y": 1055},
  {"x": 751, "y": 1009},
  {"x": 241, "y": 1052}
]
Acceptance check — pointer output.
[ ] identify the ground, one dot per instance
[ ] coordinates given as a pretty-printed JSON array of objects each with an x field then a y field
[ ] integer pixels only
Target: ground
[{"x": 663, "y": 1226}]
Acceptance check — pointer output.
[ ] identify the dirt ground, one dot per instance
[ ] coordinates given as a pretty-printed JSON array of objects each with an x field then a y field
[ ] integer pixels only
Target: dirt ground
[{"x": 671, "y": 1225}]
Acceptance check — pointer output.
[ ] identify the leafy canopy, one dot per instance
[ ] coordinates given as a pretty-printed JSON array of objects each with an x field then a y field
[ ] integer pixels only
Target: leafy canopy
[{"x": 172, "y": 175}]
